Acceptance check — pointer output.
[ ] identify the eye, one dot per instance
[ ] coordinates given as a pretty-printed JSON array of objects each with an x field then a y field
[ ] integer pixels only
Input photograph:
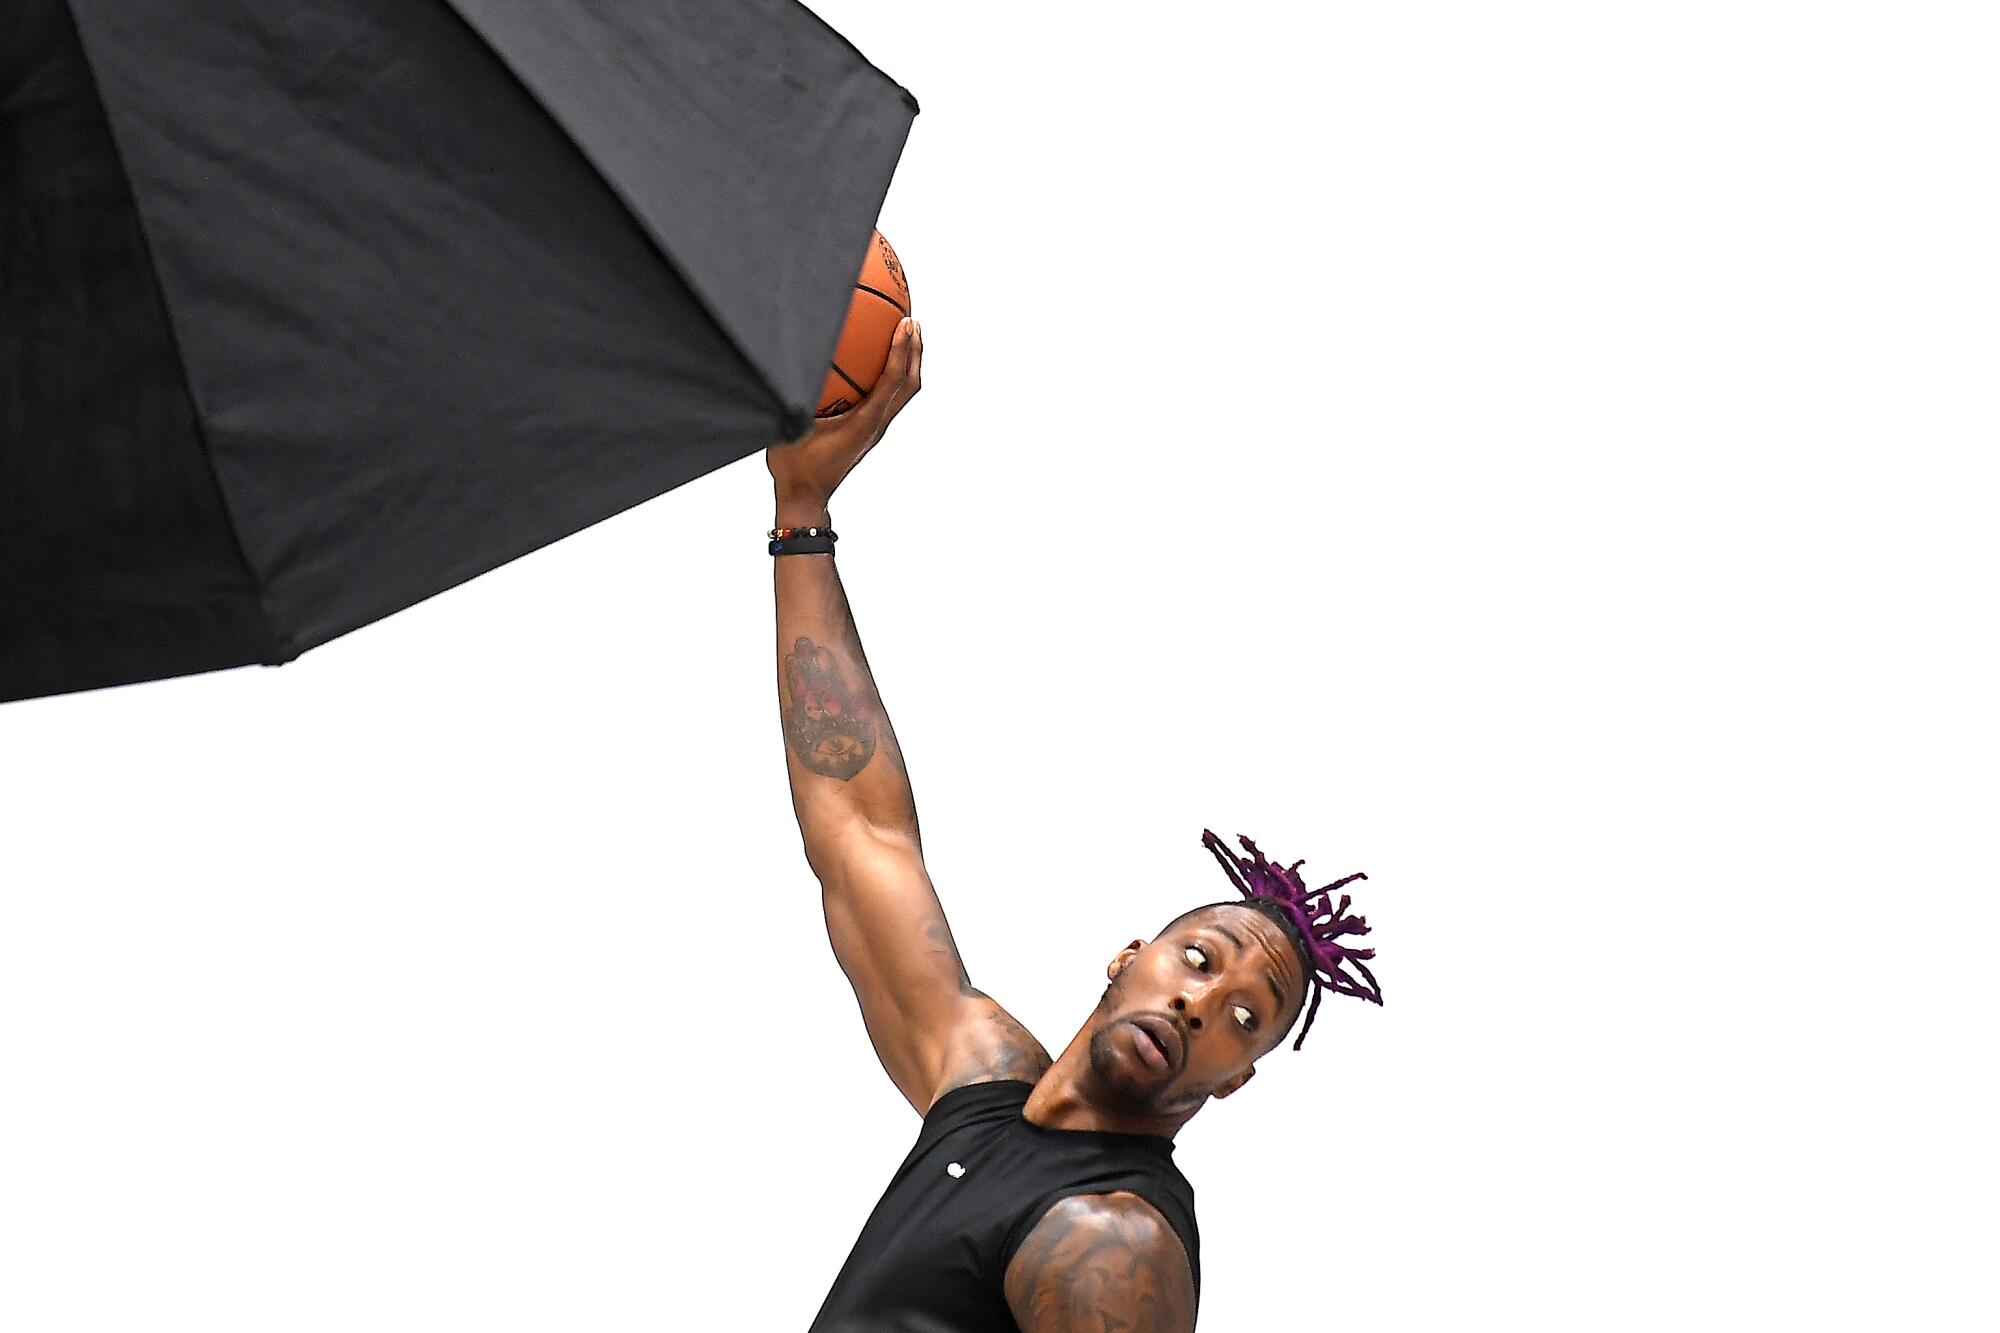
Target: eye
[
  {"x": 1196, "y": 955},
  {"x": 1244, "y": 1017}
]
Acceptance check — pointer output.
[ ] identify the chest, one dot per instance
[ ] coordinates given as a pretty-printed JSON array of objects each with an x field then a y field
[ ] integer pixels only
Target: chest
[
  {"x": 933, "y": 1254},
  {"x": 946, "y": 1217}
]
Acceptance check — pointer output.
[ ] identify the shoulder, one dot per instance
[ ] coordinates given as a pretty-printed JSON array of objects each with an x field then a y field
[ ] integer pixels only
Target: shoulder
[
  {"x": 1098, "y": 1258},
  {"x": 987, "y": 1045}
]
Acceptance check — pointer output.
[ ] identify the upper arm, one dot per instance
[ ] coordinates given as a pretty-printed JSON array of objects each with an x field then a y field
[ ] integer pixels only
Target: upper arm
[
  {"x": 930, "y": 1027},
  {"x": 1101, "y": 1261}
]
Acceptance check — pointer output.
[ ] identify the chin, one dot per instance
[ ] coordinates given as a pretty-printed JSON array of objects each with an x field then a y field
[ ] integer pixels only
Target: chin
[{"x": 1115, "y": 1077}]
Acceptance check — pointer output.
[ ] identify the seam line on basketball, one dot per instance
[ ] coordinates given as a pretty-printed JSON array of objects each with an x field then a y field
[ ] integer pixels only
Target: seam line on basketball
[
  {"x": 885, "y": 296},
  {"x": 849, "y": 378}
]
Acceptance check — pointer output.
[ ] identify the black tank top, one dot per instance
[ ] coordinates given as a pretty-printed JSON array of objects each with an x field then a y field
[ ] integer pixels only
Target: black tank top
[{"x": 933, "y": 1256}]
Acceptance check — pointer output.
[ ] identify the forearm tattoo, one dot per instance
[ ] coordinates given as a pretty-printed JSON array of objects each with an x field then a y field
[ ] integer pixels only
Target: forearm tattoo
[
  {"x": 1095, "y": 1264},
  {"x": 833, "y": 730}
]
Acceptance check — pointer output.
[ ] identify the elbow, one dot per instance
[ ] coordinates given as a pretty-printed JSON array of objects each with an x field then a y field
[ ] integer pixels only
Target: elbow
[{"x": 835, "y": 843}]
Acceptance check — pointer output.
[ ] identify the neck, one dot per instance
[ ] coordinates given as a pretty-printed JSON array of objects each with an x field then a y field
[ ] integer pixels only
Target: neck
[{"x": 1071, "y": 1096}]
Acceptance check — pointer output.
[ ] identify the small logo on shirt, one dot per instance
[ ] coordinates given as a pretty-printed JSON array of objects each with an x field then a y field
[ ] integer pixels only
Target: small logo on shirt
[{"x": 954, "y": 1170}]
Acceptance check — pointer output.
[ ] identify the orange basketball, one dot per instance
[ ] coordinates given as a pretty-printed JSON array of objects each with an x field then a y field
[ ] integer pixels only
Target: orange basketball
[{"x": 881, "y": 300}]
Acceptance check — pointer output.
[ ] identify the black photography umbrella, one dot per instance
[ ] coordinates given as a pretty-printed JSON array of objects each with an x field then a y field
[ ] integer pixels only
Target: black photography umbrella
[{"x": 311, "y": 309}]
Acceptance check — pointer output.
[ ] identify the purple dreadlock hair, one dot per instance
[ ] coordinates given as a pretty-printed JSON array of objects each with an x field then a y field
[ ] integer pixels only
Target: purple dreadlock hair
[{"x": 1320, "y": 926}]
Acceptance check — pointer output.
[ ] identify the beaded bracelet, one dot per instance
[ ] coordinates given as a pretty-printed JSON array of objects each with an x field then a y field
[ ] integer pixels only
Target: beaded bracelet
[{"x": 803, "y": 541}]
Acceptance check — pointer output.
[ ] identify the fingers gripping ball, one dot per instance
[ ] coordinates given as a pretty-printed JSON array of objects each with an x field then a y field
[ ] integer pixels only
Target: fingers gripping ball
[{"x": 881, "y": 300}]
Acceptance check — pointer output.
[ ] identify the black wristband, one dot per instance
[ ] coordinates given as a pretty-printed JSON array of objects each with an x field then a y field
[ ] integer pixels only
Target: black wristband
[{"x": 801, "y": 545}]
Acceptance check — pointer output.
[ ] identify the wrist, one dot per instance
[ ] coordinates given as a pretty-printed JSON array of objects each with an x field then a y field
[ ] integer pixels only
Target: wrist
[{"x": 800, "y": 512}]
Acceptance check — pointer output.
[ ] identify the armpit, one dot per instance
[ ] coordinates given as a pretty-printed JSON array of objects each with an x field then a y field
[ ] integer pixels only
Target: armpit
[
  {"x": 1098, "y": 1262},
  {"x": 990, "y": 1046}
]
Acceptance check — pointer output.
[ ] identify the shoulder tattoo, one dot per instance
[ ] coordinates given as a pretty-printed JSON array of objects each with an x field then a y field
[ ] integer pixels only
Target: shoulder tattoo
[{"x": 1098, "y": 1263}]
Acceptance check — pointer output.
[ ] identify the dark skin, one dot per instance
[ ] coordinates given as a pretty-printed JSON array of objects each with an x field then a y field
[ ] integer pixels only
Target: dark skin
[{"x": 1216, "y": 990}]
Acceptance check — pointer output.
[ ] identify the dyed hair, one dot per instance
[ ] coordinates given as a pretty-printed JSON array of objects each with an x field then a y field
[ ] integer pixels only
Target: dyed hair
[{"x": 1314, "y": 924}]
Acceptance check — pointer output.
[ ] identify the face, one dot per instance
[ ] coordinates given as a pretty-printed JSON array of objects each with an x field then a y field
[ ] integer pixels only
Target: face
[{"x": 1217, "y": 990}]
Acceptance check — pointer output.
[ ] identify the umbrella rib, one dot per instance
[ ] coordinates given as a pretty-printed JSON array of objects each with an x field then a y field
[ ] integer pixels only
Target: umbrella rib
[
  {"x": 277, "y": 648},
  {"x": 637, "y": 215}
]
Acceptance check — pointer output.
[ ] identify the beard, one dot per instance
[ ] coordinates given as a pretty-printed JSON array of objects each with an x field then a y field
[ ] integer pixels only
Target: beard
[{"x": 1117, "y": 1088}]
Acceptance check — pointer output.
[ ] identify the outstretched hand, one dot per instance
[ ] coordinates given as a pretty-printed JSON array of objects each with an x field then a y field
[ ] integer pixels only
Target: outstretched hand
[{"x": 809, "y": 468}]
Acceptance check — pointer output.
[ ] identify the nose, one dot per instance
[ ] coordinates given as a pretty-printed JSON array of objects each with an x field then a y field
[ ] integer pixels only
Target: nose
[{"x": 1181, "y": 1008}]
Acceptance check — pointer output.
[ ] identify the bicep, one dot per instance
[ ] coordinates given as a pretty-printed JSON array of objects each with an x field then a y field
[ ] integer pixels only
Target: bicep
[
  {"x": 1098, "y": 1262},
  {"x": 889, "y": 934}
]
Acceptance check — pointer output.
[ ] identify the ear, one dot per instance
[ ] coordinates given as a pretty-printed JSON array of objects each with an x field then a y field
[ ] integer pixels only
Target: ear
[
  {"x": 1224, "y": 1089},
  {"x": 1124, "y": 957}
]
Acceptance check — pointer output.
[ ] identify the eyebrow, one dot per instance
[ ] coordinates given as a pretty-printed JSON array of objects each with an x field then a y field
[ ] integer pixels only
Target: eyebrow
[{"x": 1277, "y": 991}]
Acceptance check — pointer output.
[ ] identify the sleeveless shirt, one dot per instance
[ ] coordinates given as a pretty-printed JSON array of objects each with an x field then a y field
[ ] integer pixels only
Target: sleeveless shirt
[{"x": 933, "y": 1256}]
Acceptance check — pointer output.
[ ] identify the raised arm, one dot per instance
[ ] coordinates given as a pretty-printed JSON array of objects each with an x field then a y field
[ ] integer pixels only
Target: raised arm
[{"x": 851, "y": 789}]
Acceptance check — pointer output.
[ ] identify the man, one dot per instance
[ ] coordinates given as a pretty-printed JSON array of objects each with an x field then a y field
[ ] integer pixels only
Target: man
[{"x": 1041, "y": 1194}]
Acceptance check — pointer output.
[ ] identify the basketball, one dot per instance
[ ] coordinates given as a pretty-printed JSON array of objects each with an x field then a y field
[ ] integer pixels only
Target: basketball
[{"x": 881, "y": 301}]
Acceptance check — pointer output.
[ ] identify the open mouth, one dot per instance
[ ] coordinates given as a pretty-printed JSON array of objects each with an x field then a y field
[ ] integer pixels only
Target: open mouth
[{"x": 1156, "y": 1047}]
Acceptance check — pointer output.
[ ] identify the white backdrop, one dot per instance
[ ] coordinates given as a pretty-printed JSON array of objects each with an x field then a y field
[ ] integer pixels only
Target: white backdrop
[{"x": 1531, "y": 453}]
